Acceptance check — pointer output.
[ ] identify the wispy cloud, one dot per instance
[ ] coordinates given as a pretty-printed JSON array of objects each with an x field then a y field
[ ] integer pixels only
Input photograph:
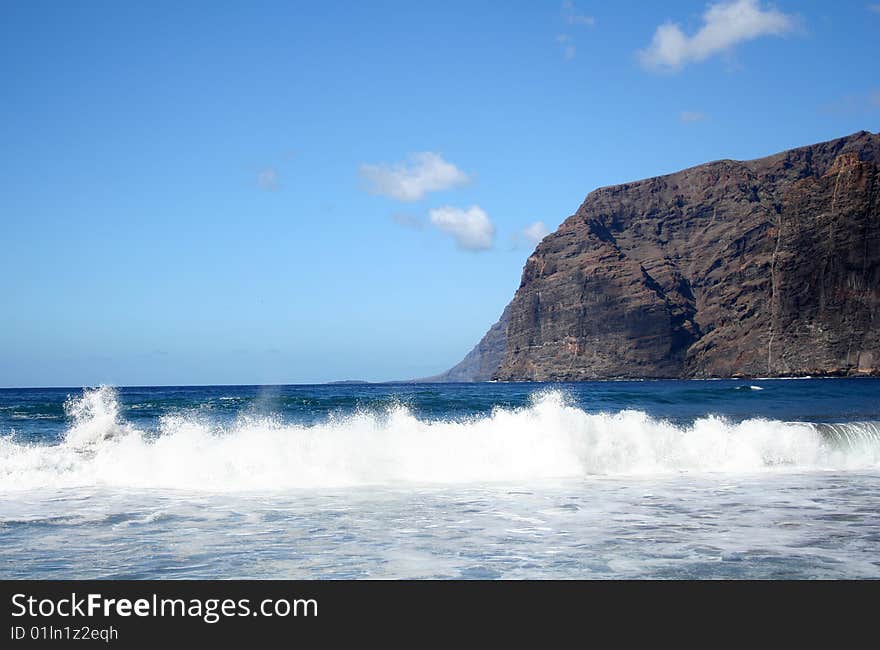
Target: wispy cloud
[
  {"x": 861, "y": 103},
  {"x": 530, "y": 236},
  {"x": 268, "y": 179},
  {"x": 691, "y": 116},
  {"x": 874, "y": 8},
  {"x": 572, "y": 17},
  {"x": 408, "y": 220},
  {"x": 471, "y": 228},
  {"x": 568, "y": 46},
  {"x": 535, "y": 232},
  {"x": 412, "y": 179},
  {"x": 725, "y": 24}
]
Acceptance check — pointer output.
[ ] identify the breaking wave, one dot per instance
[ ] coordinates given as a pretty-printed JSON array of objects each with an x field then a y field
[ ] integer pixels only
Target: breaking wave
[{"x": 548, "y": 439}]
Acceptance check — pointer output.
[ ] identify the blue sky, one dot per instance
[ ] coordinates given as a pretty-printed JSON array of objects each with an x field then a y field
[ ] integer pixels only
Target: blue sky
[{"x": 198, "y": 193}]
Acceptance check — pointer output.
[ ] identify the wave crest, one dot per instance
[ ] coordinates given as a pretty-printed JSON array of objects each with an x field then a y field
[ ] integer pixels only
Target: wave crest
[{"x": 548, "y": 439}]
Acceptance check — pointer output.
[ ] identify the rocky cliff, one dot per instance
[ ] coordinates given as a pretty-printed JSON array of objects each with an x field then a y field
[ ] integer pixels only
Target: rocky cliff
[
  {"x": 768, "y": 267},
  {"x": 481, "y": 363}
]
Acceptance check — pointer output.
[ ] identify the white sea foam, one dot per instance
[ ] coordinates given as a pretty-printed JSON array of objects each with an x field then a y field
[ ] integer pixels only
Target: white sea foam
[{"x": 548, "y": 439}]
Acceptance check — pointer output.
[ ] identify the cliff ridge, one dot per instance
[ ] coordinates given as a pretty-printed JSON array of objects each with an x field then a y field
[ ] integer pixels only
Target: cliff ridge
[{"x": 769, "y": 267}]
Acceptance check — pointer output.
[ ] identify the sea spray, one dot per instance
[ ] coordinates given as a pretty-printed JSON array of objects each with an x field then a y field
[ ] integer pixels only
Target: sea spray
[
  {"x": 549, "y": 438},
  {"x": 95, "y": 418}
]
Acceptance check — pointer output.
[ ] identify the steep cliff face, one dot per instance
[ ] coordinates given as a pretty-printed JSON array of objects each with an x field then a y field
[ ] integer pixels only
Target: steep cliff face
[
  {"x": 768, "y": 267},
  {"x": 481, "y": 363}
]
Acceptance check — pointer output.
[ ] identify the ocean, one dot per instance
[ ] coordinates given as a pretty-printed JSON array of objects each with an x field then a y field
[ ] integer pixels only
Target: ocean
[{"x": 630, "y": 479}]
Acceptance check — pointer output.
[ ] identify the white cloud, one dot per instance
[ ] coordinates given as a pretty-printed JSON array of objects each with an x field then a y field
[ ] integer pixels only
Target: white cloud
[
  {"x": 572, "y": 17},
  {"x": 535, "y": 232},
  {"x": 691, "y": 116},
  {"x": 411, "y": 180},
  {"x": 568, "y": 47},
  {"x": 875, "y": 8},
  {"x": 268, "y": 180},
  {"x": 471, "y": 228},
  {"x": 725, "y": 24}
]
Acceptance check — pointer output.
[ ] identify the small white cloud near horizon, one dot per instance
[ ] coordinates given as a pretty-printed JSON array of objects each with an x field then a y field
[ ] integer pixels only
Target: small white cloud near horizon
[
  {"x": 535, "y": 232},
  {"x": 268, "y": 180},
  {"x": 688, "y": 117},
  {"x": 471, "y": 228},
  {"x": 412, "y": 179},
  {"x": 725, "y": 24},
  {"x": 572, "y": 17}
]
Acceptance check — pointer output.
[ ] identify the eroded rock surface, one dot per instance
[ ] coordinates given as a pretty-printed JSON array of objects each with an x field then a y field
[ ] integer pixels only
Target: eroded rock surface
[{"x": 768, "y": 267}]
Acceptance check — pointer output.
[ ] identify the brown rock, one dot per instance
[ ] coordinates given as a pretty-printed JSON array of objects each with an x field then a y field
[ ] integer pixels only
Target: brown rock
[{"x": 769, "y": 267}]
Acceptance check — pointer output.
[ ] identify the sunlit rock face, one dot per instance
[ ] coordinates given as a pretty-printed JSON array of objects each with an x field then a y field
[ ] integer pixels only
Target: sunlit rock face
[{"x": 768, "y": 267}]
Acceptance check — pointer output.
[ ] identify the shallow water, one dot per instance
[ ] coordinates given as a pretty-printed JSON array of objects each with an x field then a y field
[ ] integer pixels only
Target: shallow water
[{"x": 613, "y": 480}]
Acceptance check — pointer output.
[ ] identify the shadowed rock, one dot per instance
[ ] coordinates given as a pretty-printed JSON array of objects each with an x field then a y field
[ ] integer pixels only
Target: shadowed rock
[{"x": 769, "y": 267}]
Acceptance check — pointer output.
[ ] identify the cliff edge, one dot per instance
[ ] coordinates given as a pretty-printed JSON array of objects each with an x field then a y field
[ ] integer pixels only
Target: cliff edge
[{"x": 768, "y": 267}]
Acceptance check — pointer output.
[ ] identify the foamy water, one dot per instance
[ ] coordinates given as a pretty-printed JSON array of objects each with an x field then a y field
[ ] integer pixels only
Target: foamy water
[
  {"x": 548, "y": 439},
  {"x": 539, "y": 488}
]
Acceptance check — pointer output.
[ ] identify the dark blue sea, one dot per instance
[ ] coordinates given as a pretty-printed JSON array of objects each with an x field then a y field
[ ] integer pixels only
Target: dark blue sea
[{"x": 652, "y": 479}]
